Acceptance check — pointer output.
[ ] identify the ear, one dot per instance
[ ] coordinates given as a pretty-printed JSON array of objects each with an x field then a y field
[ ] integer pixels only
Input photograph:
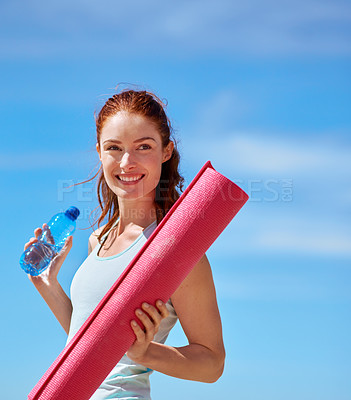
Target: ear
[
  {"x": 98, "y": 150},
  {"x": 167, "y": 152}
]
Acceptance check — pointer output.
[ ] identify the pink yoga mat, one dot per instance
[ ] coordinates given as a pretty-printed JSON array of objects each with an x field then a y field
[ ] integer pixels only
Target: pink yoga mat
[{"x": 190, "y": 227}]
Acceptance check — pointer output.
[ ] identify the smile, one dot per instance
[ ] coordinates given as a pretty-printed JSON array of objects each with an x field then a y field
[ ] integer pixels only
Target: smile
[{"x": 134, "y": 178}]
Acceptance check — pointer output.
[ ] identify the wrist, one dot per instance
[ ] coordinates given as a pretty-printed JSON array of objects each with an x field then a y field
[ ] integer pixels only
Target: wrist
[
  {"x": 43, "y": 282},
  {"x": 143, "y": 359}
]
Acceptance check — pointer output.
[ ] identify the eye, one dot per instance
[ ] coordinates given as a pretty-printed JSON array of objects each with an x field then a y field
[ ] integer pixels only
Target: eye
[
  {"x": 112, "y": 147},
  {"x": 115, "y": 147},
  {"x": 147, "y": 146}
]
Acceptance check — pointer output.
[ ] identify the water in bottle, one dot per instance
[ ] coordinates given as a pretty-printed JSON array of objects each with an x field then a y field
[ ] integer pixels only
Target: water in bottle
[{"x": 38, "y": 256}]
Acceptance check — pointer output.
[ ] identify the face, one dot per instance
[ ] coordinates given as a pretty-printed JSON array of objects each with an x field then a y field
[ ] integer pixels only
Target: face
[{"x": 131, "y": 154}]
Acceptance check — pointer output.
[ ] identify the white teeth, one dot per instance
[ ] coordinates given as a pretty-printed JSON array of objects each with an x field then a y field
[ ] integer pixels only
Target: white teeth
[{"x": 136, "y": 178}]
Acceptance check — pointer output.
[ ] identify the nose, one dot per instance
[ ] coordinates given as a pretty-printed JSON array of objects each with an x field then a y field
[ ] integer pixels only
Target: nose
[{"x": 127, "y": 162}]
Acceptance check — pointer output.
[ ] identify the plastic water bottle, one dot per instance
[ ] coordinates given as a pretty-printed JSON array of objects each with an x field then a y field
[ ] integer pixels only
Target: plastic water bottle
[{"x": 38, "y": 256}]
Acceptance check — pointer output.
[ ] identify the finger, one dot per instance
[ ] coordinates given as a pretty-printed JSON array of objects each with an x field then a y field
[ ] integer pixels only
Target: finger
[
  {"x": 153, "y": 313},
  {"x": 49, "y": 237},
  {"x": 162, "y": 308},
  {"x": 38, "y": 232},
  {"x": 30, "y": 242},
  {"x": 148, "y": 324},
  {"x": 68, "y": 243},
  {"x": 65, "y": 249},
  {"x": 139, "y": 333}
]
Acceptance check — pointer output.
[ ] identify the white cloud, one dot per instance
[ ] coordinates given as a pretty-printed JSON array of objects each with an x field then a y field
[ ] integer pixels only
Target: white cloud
[
  {"x": 267, "y": 231},
  {"x": 47, "y": 159},
  {"x": 177, "y": 29},
  {"x": 268, "y": 286},
  {"x": 263, "y": 153},
  {"x": 268, "y": 154},
  {"x": 224, "y": 105},
  {"x": 312, "y": 242}
]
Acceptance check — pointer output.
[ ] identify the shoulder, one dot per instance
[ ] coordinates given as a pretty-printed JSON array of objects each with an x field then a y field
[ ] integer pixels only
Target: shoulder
[{"x": 93, "y": 239}]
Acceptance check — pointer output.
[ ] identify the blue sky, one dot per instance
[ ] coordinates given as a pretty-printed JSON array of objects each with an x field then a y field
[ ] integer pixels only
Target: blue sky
[{"x": 262, "y": 89}]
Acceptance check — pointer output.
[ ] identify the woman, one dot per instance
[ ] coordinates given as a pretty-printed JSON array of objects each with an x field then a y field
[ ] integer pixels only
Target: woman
[{"x": 137, "y": 183}]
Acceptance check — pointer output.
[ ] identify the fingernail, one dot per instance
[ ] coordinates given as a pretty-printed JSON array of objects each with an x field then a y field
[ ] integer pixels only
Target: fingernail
[
  {"x": 160, "y": 303},
  {"x": 134, "y": 323},
  {"x": 146, "y": 305},
  {"x": 139, "y": 312}
]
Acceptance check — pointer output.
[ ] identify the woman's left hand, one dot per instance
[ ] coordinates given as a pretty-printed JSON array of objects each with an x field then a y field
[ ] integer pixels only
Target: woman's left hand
[{"x": 150, "y": 317}]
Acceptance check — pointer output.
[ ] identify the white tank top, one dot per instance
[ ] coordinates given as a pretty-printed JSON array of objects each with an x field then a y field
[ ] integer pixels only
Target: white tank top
[{"x": 92, "y": 280}]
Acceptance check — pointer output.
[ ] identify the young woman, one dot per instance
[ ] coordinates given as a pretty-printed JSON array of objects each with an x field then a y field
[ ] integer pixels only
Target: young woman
[{"x": 137, "y": 183}]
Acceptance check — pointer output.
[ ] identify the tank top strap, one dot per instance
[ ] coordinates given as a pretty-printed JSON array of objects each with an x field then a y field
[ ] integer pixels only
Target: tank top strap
[{"x": 105, "y": 235}]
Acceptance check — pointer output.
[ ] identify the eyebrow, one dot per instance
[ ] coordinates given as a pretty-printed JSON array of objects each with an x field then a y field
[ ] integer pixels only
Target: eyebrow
[{"x": 135, "y": 141}]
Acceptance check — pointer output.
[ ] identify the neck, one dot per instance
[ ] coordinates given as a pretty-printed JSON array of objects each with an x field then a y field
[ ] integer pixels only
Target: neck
[{"x": 141, "y": 212}]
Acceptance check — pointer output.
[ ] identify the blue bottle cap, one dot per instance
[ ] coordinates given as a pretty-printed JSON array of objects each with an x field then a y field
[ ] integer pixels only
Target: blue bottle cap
[{"x": 72, "y": 212}]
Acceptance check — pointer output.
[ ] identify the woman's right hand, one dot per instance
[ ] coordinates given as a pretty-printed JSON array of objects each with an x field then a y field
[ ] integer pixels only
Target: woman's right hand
[{"x": 50, "y": 273}]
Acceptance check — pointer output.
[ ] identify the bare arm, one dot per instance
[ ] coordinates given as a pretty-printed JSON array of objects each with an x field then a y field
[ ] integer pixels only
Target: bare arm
[
  {"x": 196, "y": 305},
  {"x": 50, "y": 289},
  {"x": 58, "y": 302},
  {"x": 48, "y": 286}
]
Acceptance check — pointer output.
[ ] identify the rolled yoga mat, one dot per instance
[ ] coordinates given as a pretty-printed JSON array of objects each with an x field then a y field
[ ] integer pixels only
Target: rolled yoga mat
[{"x": 183, "y": 236}]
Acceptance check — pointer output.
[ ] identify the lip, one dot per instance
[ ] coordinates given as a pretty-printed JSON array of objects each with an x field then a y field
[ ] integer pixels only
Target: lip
[{"x": 130, "y": 176}]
